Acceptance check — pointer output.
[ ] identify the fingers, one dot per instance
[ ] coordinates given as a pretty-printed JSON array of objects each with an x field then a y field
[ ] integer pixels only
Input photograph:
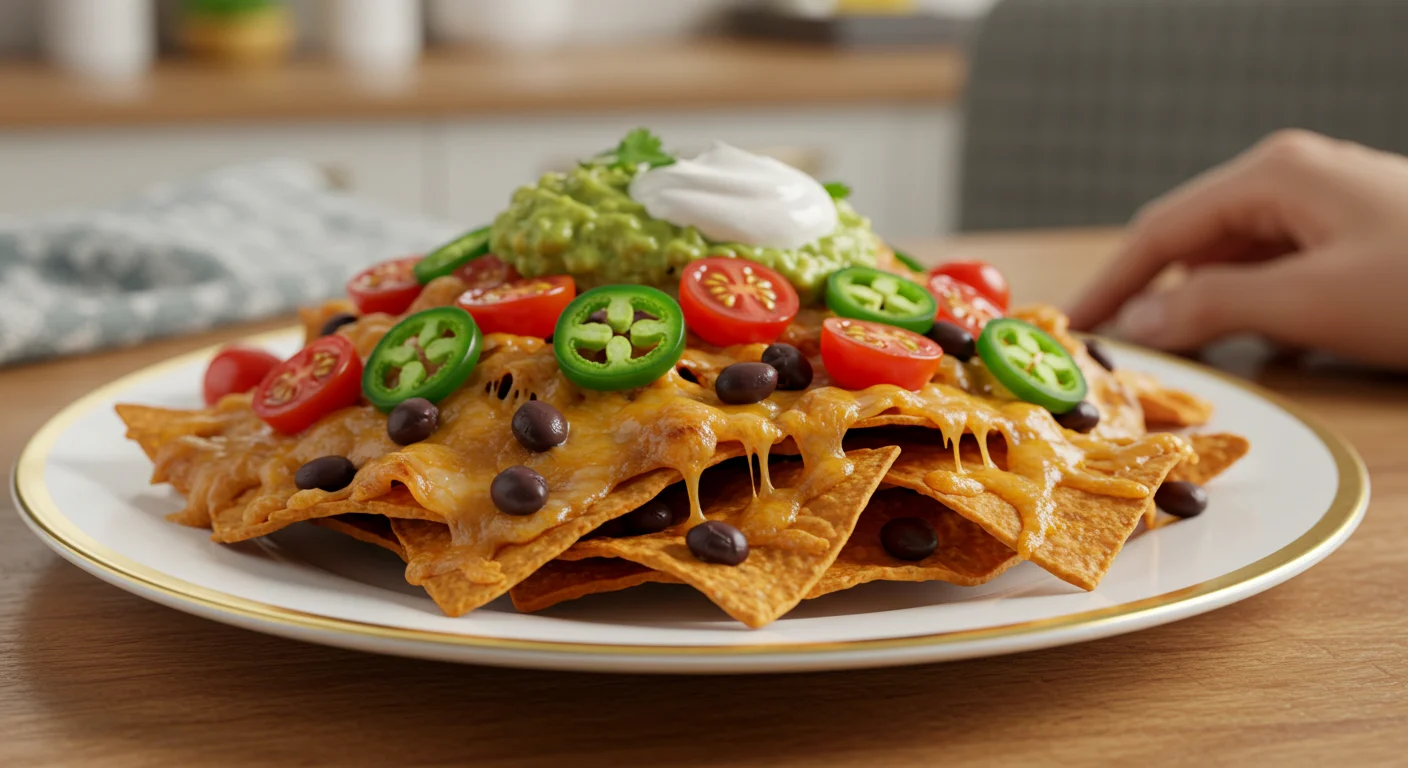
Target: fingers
[
  {"x": 1255, "y": 206},
  {"x": 1274, "y": 299}
]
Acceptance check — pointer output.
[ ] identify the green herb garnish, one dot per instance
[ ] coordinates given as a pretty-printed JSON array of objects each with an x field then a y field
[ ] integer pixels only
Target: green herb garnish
[
  {"x": 227, "y": 7},
  {"x": 838, "y": 190},
  {"x": 640, "y": 147}
]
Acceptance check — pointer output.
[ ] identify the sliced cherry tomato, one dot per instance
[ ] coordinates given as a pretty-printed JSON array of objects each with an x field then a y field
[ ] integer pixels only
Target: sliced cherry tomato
[
  {"x": 982, "y": 276},
  {"x": 486, "y": 272},
  {"x": 734, "y": 301},
  {"x": 234, "y": 370},
  {"x": 961, "y": 304},
  {"x": 321, "y": 378},
  {"x": 860, "y": 354},
  {"x": 429, "y": 354},
  {"x": 526, "y": 306},
  {"x": 388, "y": 287}
]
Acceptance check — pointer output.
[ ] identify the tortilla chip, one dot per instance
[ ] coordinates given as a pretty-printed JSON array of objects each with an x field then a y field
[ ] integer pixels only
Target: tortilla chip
[
  {"x": 773, "y": 579},
  {"x": 1213, "y": 455},
  {"x": 1089, "y": 530},
  {"x": 563, "y": 580},
  {"x": 228, "y": 525},
  {"x": 314, "y": 318},
  {"x": 457, "y": 595},
  {"x": 967, "y": 555},
  {"x": 892, "y": 420},
  {"x": 370, "y": 529},
  {"x": 1163, "y": 407}
]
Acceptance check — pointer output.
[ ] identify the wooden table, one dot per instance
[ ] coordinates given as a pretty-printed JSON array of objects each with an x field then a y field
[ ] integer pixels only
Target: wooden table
[
  {"x": 692, "y": 74},
  {"x": 1314, "y": 672}
]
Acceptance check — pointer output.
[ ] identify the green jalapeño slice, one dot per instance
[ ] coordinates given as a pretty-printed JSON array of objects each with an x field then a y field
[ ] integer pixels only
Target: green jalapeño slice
[
  {"x": 619, "y": 337},
  {"x": 1034, "y": 366},
  {"x": 453, "y": 255},
  {"x": 867, "y": 293},
  {"x": 909, "y": 261},
  {"x": 429, "y": 354}
]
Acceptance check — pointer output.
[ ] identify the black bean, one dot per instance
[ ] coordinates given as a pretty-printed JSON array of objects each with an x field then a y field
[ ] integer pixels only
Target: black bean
[
  {"x": 1083, "y": 418},
  {"x": 337, "y": 321},
  {"x": 652, "y": 517},
  {"x": 794, "y": 370},
  {"x": 1181, "y": 498},
  {"x": 717, "y": 542},
  {"x": 743, "y": 383},
  {"x": 641, "y": 314},
  {"x": 1099, "y": 355},
  {"x": 539, "y": 426},
  {"x": 909, "y": 538},
  {"x": 330, "y": 473},
  {"x": 412, "y": 421},
  {"x": 519, "y": 490},
  {"x": 598, "y": 316},
  {"x": 955, "y": 340}
]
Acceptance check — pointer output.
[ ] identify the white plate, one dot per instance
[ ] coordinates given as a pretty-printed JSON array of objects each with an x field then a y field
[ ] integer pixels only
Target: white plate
[{"x": 83, "y": 488}]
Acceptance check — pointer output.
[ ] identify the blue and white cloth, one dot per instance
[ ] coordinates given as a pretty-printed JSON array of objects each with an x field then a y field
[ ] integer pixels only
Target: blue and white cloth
[{"x": 237, "y": 243}]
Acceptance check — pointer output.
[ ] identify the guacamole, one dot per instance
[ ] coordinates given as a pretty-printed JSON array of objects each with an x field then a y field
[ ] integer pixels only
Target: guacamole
[{"x": 584, "y": 223}]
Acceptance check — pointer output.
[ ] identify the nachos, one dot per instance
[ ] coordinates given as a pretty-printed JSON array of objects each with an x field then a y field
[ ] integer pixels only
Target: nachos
[{"x": 758, "y": 399}]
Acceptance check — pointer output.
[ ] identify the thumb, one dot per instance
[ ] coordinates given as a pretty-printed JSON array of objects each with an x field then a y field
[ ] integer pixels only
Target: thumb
[{"x": 1215, "y": 301}]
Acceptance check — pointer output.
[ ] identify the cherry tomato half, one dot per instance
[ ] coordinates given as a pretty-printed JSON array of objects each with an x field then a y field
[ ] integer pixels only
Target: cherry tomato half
[
  {"x": 982, "y": 276},
  {"x": 860, "y": 354},
  {"x": 321, "y": 378},
  {"x": 234, "y": 370},
  {"x": 734, "y": 301},
  {"x": 388, "y": 287},
  {"x": 961, "y": 304},
  {"x": 486, "y": 272},
  {"x": 527, "y": 306}
]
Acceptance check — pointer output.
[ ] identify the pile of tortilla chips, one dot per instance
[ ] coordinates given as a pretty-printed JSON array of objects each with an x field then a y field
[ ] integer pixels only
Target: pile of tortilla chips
[{"x": 237, "y": 482}]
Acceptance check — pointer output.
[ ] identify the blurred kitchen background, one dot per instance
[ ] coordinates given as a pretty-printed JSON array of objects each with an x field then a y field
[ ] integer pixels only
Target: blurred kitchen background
[
  {"x": 444, "y": 107},
  {"x": 1074, "y": 111}
]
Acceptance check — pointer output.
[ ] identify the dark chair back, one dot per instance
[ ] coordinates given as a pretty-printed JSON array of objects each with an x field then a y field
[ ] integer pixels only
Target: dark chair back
[{"x": 1079, "y": 111}]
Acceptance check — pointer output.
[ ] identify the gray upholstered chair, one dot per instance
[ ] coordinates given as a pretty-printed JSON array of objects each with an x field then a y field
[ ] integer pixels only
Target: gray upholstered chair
[{"x": 1081, "y": 110}]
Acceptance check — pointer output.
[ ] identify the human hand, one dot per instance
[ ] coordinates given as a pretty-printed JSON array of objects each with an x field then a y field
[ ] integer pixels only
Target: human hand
[{"x": 1302, "y": 239}]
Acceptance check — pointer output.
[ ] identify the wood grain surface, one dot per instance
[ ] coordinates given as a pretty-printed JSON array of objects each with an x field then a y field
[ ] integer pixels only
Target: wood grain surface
[
  {"x": 681, "y": 75},
  {"x": 1313, "y": 672}
]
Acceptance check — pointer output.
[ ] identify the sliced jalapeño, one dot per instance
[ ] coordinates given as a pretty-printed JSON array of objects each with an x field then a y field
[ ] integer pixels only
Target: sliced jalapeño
[
  {"x": 429, "y": 354},
  {"x": 619, "y": 337},
  {"x": 867, "y": 293},
  {"x": 1031, "y": 364},
  {"x": 453, "y": 255}
]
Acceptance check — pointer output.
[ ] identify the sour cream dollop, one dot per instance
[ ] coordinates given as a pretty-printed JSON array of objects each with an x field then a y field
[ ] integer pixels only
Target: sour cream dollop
[{"x": 734, "y": 196}]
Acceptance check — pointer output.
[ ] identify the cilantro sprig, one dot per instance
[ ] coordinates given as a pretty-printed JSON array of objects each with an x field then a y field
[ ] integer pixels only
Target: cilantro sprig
[
  {"x": 838, "y": 190},
  {"x": 640, "y": 147}
]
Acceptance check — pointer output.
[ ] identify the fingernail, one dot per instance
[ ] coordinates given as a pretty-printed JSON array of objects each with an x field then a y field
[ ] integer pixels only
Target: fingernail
[{"x": 1143, "y": 320}]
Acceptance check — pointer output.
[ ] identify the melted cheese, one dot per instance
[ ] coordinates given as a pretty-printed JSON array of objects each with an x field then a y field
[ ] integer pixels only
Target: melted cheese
[{"x": 673, "y": 423}]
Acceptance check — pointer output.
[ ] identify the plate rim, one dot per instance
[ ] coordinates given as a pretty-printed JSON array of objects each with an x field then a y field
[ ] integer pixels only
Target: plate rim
[{"x": 43, "y": 515}]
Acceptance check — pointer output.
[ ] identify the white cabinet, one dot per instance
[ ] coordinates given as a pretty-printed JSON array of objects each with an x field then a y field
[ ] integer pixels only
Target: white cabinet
[
  {"x": 901, "y": 162},
  {"x": 45, "y": 170}
]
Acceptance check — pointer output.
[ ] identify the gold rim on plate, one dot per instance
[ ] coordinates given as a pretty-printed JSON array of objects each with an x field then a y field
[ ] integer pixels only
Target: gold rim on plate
[{"x": 35, "y": 503}]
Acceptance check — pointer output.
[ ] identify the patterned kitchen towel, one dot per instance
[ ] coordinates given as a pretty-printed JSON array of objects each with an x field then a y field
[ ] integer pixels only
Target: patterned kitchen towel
[{"x": 237, "y": 243}]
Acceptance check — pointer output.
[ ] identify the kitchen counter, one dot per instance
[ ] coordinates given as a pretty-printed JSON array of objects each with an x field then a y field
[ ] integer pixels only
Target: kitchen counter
[{"x": 683, "y": 75}]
